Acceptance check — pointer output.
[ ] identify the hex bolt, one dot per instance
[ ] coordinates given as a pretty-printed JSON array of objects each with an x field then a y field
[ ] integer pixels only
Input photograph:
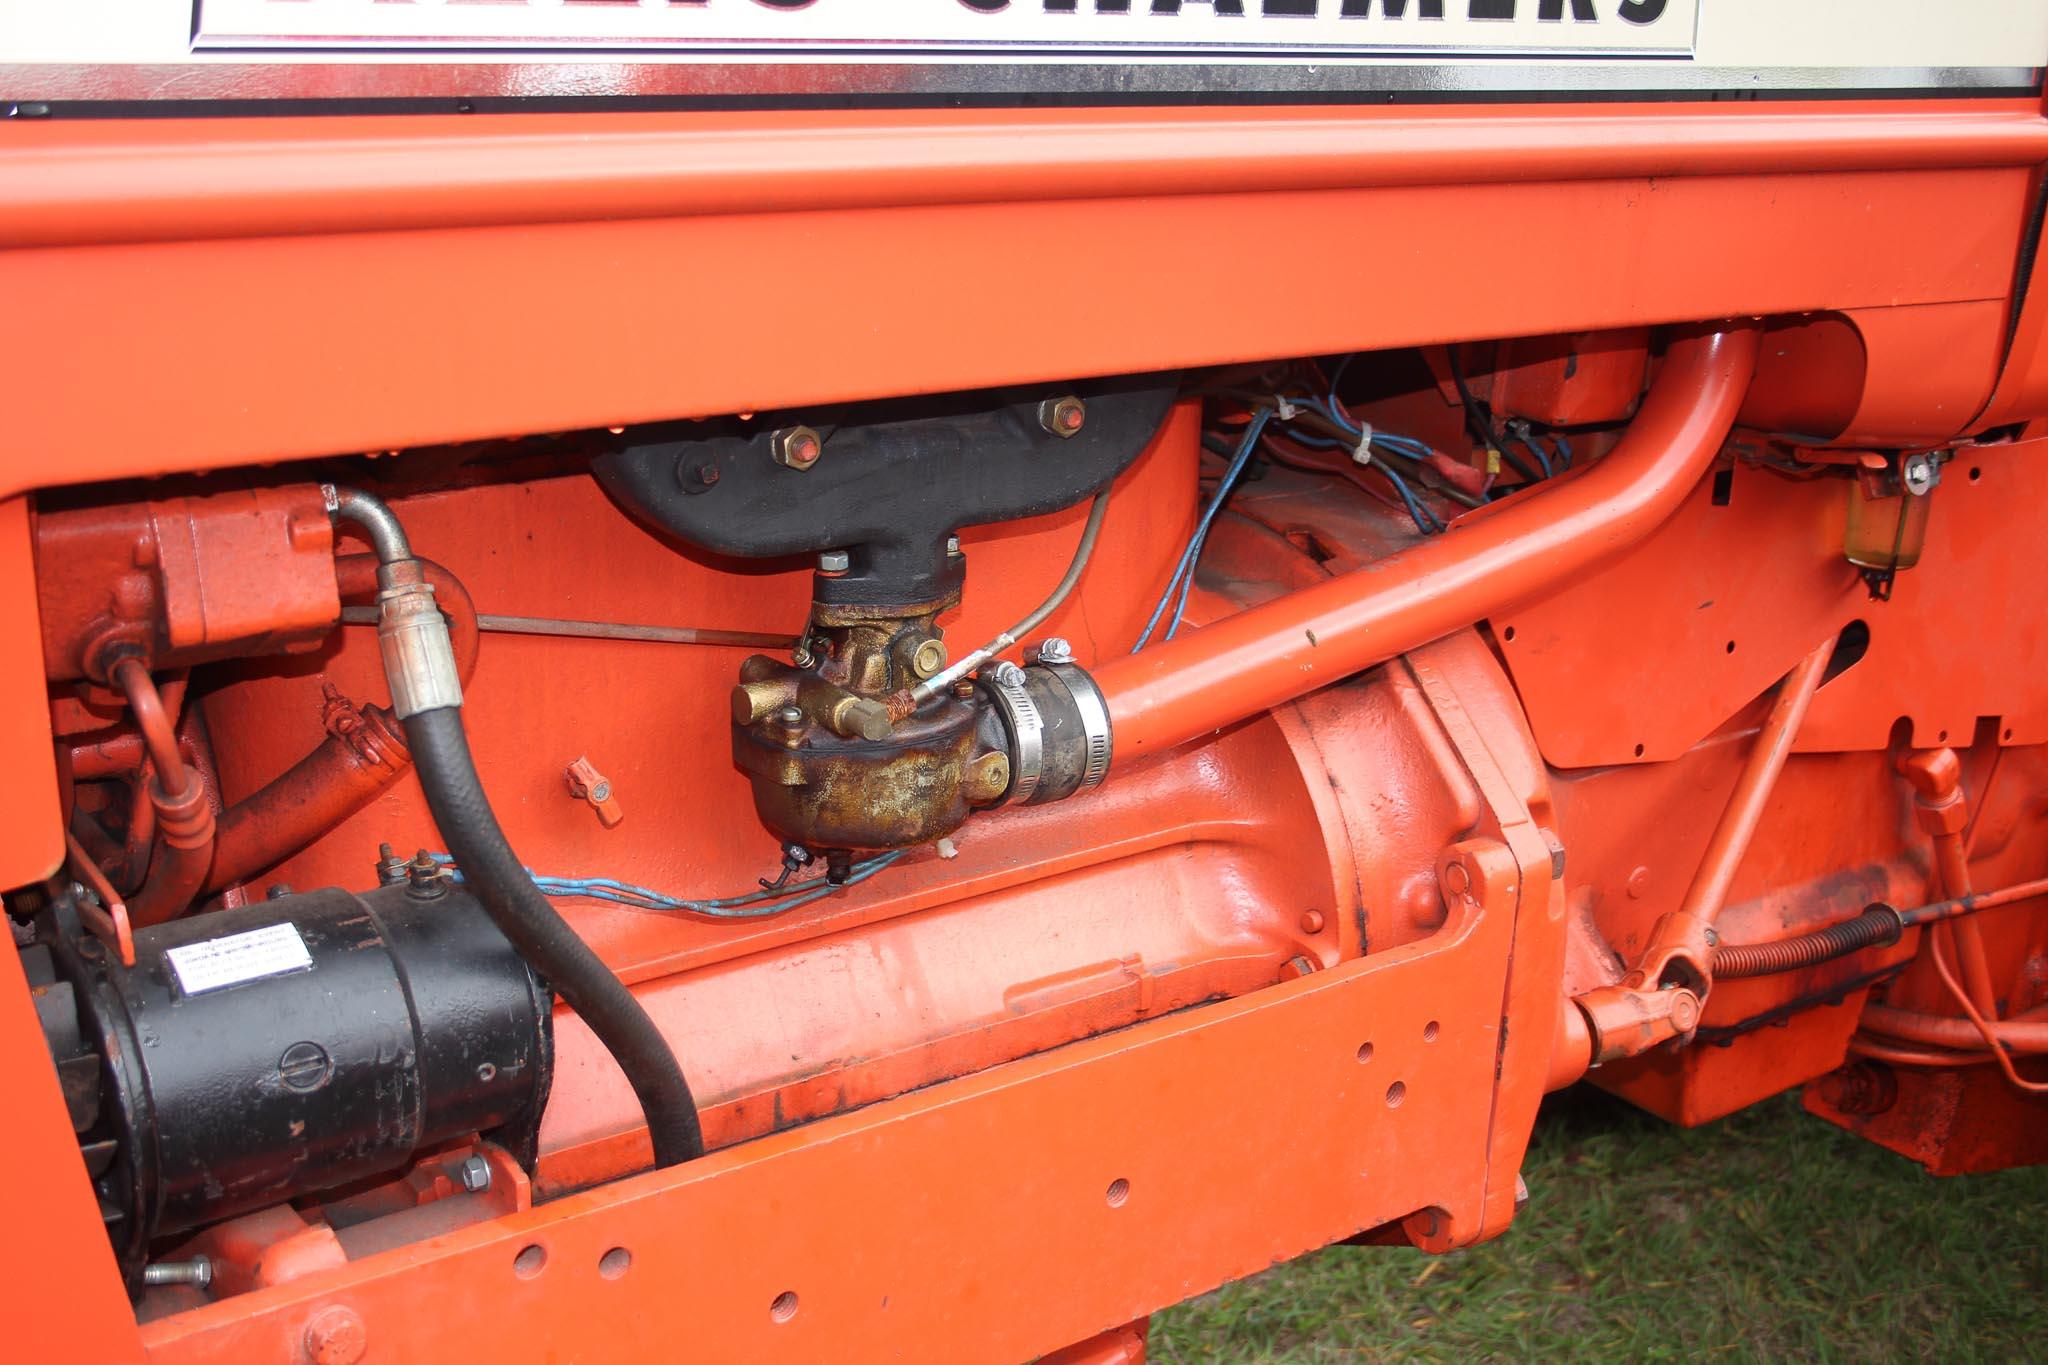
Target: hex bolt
[
  {"x": 796, "y": 447},
  {"x": 1063, "y": 417},
  {"x": 1919, "y": 473},
  {"x": 476, "y": 1174},
  {"x": 197, "y": 1272},
  {"x": 696, "y": 475},
  {"x": 1055, "y": 649},
  {"x": 1007, "y": 674},
  {"x": 834, "y": 561},
  {"x": 953, "y": 547},
  {"x": 790, "y": 715},
  {"x": 390, "y": 867},
  {"x": 928, "y": 658}
]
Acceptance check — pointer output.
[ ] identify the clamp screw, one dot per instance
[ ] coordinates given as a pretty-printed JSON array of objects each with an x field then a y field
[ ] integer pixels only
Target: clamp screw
[
  {"x": 1055, "y": 649},
  {"x": 1063, "y": 417},
  {"x": 1007, "y": 674},
  {"x": 796, "y": 447}
]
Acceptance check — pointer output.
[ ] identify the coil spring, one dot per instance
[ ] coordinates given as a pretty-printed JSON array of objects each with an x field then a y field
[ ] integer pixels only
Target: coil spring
[{"x": 1879, "y": 925}]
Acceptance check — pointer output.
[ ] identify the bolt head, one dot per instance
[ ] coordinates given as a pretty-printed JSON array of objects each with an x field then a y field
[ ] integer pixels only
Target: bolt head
[
  {"x": 928, "y": 658},
  {"x": 1919, "y": 473},
  {"x": 1007, "y": 674},
  {"x": 1055, "y": 649},
  {"x": 952, "y": 545},
  {"x": 1685, "y": 1011},
  {"x": 790, "y": 715},
  {"x": 476, "y": 1174},
  {"x": 1063, "y": 417},
  {"x": 337, "y": 1336},
  {"x": 834, "y": 561},
  {"x": 796, "y": 447}
]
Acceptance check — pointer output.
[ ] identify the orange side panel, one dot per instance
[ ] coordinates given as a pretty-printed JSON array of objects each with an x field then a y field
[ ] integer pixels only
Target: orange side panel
[
  {"x": 650, "y": 285},
  {"x": 31, "y": 832},
  {"x": 1660, "y": 648},
  {"x": 47, "y": 1204}
]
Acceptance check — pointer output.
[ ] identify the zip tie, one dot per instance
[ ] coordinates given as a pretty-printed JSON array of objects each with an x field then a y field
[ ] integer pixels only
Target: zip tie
[{"x": 1362, "y": 452}]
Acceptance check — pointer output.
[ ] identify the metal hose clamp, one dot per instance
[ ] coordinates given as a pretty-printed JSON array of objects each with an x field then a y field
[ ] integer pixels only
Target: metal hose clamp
[
  {"x": 1005, "y": 683},
  {"x": 1093, "y": 713}
]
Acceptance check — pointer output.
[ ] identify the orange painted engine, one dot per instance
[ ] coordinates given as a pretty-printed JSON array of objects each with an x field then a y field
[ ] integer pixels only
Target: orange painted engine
[{"x": 864, "y": 833}]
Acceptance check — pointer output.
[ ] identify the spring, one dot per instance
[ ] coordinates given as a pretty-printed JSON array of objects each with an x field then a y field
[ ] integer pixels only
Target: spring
[{"x": 1878, "y": 926}]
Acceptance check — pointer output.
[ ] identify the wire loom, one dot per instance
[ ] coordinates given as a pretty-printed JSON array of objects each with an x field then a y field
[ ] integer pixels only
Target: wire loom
[{"x": 751, "y": 905}]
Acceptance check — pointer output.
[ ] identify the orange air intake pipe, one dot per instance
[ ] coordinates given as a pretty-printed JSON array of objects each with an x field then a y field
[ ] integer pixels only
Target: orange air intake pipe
[{"x": 1272, "y": 653}]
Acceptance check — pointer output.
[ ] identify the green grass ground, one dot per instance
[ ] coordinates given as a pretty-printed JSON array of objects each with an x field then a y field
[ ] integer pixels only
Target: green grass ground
[{"x": 1769, "y": 1234}]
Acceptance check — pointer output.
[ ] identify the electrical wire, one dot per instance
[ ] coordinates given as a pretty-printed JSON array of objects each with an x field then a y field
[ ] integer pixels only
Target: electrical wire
[
  {"x": 1183, "y": 577},
  {"x": 750, "y": 905}
]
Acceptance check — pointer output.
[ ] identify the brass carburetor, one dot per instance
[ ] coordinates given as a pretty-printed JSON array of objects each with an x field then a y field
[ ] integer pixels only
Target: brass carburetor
[
  {"x": 867, "y": 738},
  {"x": 841, "y": 755}
]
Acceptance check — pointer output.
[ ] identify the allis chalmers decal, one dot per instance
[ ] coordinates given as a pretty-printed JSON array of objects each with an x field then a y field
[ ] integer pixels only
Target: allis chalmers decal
[{"x": 1111, "y": 30}]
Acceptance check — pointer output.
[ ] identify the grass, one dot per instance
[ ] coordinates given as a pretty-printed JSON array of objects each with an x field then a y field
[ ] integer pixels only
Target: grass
[{"x": 1769, "y": 1234}]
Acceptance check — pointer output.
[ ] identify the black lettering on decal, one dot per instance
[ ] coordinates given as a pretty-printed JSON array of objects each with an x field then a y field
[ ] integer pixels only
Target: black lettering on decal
[
  {"x": 1288, "y": 9},
  {"x": 1219, "y": 6},
  {"x": 987, "y": 6},
  {"x": 1491, "y": 9},
  {"x": 1393, "y": 9},
  {"x": 1551, "y": 11},
  {"x": 1641, "y": 11}
]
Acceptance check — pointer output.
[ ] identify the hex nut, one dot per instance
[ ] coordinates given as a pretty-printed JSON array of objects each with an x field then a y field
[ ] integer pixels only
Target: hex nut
[
  {"x": 797, "y": 447},
  {"x": 476, "y": 1174},
  {"x": 1063, "y": 417},
  {"x": 834, "y": 561}
]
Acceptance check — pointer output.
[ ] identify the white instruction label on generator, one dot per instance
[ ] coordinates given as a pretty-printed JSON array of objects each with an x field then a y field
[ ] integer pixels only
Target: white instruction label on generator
[{"x": 218, "y": 962}]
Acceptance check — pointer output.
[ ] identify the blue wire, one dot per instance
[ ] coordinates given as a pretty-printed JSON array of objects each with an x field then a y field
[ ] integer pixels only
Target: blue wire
[
  {"x": 749, "y": 905},
  {"x": 1186, "y": 567},
  {"x": 1564, "y": 449}
]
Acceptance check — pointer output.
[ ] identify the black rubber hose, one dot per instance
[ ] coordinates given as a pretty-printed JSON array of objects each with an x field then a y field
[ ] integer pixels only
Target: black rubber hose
[
  {"x": 440, "y": 753},
  {"x": 1878, "y": 926}
]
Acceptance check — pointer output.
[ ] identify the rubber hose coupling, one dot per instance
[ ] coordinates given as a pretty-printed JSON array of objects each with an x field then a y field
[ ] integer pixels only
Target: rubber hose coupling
[{"x": 1056, "y": 727}]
